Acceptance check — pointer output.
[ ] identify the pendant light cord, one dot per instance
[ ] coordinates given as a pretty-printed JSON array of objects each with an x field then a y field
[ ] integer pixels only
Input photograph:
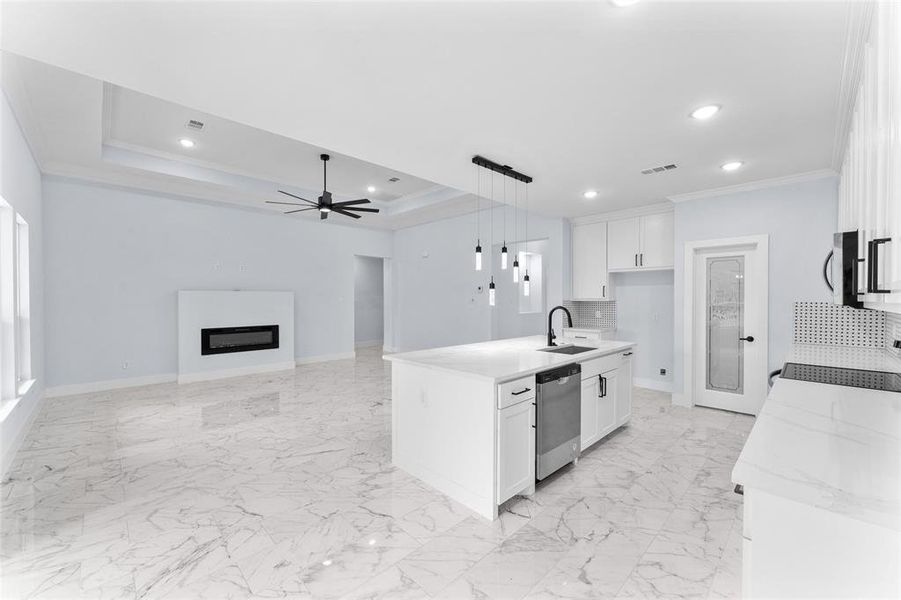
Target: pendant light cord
[{"x": 478, "y": 204}]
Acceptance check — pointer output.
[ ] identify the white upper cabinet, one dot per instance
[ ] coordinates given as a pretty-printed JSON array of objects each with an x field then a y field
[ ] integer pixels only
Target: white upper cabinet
[
  {"x": 656, "y": 250},
  {"x": 590, "y": 280},
  {"x": 623, "y": 241},
  {"x": 639, "y": 243},
  {"x": 870, "y": 187}
]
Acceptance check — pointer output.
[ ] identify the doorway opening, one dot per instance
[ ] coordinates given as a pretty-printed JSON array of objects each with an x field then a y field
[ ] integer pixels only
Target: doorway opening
[
  {"x": 726, "y": 304},
  {"x": 369, "y": 302}
]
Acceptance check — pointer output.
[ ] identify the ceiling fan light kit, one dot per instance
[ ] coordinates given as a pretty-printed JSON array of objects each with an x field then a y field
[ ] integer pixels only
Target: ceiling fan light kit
[{"x": 325, "y": 205}]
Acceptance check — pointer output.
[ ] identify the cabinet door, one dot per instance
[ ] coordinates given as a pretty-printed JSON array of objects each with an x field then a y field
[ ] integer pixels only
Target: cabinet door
[
  {"x": 656, "y": 241},
  {"x": 516, "y": 450},
  {"x": 590, "y": 261},
  {"x": 624, "y": 389},
  {"x": 591, "y": 390},
  {"x": 622, "y": 244},
  {"x": 607, "y": 402}
]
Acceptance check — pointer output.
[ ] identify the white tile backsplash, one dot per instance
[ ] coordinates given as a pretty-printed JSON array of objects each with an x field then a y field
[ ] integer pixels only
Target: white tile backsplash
[
  {"x": 592, "y": 314},
  {"x": 830, "y": 324}
]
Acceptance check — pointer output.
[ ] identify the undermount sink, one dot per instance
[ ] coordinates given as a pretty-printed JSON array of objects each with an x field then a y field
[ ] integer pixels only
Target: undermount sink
[{"x": 568, "y": 349}]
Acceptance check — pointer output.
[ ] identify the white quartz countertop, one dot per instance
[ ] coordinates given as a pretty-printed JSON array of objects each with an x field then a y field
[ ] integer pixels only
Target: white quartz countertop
[
  {"x": 502, "y": 360},
  {"x": 833, "y": 447}
]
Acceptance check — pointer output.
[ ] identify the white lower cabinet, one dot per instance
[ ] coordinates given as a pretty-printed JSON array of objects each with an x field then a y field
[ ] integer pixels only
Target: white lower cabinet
[
  {"x": 606, "y": 401},
  {"x": 796, "y": 550},
  {"x": 516, "y": 449}
]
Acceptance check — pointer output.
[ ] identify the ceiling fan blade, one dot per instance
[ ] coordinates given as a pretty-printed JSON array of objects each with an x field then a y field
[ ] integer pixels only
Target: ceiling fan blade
[
  {"x": 288, "y": 212},
  {"x": 352, "y": 202},
  {"x": 323, "y": 216},
  {"x": 298, "y": 197},
  {"x": 369, "y": 210},
  {"x": 344, "y": 212},
  {"x": 288, "y": 203}
]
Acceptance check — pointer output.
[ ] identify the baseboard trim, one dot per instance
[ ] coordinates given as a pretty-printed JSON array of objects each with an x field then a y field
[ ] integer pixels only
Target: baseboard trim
[
  {"x": 653, "y": 384},
  {"x": 236, "y": 372},
  {"x": 306, "y": 360},
  {"x": 110, "y": 384},
  {"x": 369, "y": 344},
  {"x": 9, "y": 454}
]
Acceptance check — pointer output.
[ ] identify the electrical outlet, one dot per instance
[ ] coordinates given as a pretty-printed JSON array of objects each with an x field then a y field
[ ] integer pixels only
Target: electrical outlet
[{"x": 663, "y": 371}]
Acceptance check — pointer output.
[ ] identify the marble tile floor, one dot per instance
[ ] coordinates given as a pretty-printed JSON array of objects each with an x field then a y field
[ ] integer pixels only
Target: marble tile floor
[{"x": 281, "y": 486}]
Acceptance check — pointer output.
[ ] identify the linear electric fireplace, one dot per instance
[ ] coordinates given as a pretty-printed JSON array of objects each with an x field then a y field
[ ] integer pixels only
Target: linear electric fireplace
[{"x": 222, "y": 340}]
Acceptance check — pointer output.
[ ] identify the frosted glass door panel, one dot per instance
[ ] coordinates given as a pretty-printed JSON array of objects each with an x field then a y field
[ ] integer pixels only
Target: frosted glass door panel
[{"x": 725, "y": 323}]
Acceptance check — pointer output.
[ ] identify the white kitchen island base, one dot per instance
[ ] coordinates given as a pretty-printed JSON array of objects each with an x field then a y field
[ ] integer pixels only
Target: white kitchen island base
[
  {"x": 463, "y": 417},
  {"x": 443, "y": 432}
]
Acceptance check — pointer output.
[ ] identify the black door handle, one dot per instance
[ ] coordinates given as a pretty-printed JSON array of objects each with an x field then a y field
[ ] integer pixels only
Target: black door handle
[
  {"x": 873, "y": 272},
  {"x": 750, "y": 338}
]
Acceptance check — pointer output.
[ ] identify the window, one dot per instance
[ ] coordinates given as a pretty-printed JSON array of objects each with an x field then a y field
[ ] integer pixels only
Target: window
[
  {"x": 533, "y": 303},
  {"x": 15, "y": 310}
]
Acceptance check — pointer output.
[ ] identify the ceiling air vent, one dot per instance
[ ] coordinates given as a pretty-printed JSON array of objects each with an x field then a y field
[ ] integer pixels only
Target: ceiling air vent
[
  {"x": 659, "y": 169},
  {"x": 194, "y": 124},
  {"x": 394, "y": 179}
]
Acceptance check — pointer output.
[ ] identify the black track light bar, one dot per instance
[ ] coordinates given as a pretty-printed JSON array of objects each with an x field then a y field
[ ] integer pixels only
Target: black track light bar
[{"x": 502, "y": 169}]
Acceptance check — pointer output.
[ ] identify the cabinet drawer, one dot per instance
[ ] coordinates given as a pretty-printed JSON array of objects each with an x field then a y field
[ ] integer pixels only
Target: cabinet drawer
[
  {"x": 514, "y": 392},
  {"x": 596, "y": 366}
]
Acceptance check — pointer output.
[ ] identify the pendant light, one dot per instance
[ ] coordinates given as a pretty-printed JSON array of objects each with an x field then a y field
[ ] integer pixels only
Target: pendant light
[
  {"x": 478, "y": 220},
  {"x": 491, "y": 288},
  {"x": 515, "y": 253},
  {"x": 504, "y": 214},
  {"x": 526, "y": 283}
]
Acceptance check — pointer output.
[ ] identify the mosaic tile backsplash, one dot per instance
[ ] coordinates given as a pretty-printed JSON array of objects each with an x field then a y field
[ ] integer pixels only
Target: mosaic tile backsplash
[
  {"x": 825, "y": 323},
  {"x": 892, "y": 332},
  {"x": 585, "y": 314}
]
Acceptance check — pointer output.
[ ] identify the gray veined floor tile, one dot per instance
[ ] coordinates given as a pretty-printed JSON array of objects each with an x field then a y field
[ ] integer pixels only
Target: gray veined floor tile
[{"x": 255, "y": 487}]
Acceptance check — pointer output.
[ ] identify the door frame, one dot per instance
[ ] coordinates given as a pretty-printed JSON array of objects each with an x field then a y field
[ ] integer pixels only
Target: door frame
[{"x": 758, "y": 243}]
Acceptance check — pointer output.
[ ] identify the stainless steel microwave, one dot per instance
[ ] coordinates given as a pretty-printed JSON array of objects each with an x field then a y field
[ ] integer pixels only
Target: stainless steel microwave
[{"x": 846, "y": 271}]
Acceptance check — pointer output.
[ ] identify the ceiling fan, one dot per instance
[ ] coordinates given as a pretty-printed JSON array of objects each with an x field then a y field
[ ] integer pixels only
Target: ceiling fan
[{"x": 325, "y": 204}]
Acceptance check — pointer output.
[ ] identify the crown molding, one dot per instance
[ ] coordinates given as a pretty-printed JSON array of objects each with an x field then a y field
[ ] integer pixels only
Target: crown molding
[
  {"x": 626, "y": 213},
  {"x": 754, "y": 185},
  {"x": 860, "y": 20}
]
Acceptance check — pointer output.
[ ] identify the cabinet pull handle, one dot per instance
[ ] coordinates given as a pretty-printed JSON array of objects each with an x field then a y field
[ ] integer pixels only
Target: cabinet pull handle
[
  {"x": 627, "y": 354},
  {"x": 603, "y": 291},
  {"x": 636, "y": 260},
  {"x": 641, "y": 259},
  {"x": 739, "y": 489},
  {"x": 855, "y": 276},
  {"x": 581, "y": 337},
  {"x": 873, "y": 271},
  {"x": 522, "y": 391},
  {"x": 603, "y": 381}
]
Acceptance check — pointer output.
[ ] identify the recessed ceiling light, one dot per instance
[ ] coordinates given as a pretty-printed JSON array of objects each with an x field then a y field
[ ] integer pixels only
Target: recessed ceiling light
[
  {"x": 590, "y": 194},
  {"x": 371, "y": 189},
  {"x": 186, "y": 143},
  {"x": 705, "y": 112},
  {"x": 732, "y": 166},
  {"x": 622, "y": 3}
]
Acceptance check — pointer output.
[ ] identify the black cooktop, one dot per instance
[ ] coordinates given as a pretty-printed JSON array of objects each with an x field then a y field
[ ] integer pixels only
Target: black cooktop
[{"x": 871, "y": 380}]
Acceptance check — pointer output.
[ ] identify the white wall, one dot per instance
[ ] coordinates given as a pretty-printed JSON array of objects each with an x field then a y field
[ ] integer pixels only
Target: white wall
[
  {"x": 369, "y": 300},
  {"x": 115, "y": 259},
  {"x": 20, "y": 185},
  {"x": 800, "y": 219},
  {"x": 644, "y": 314},
  {"x": 436, "y": 282}
]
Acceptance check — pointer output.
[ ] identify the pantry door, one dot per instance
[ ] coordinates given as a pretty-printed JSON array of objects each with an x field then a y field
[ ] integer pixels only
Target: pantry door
[{"x": 729, "y": 299}]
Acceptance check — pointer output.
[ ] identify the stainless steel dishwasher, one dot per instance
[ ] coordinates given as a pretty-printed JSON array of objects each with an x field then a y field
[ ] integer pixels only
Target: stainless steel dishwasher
[{"x": 559, "y": 418}]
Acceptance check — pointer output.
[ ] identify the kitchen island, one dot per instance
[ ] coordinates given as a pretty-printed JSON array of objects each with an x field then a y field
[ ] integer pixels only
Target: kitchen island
[{"x": 463, "y": 416}]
